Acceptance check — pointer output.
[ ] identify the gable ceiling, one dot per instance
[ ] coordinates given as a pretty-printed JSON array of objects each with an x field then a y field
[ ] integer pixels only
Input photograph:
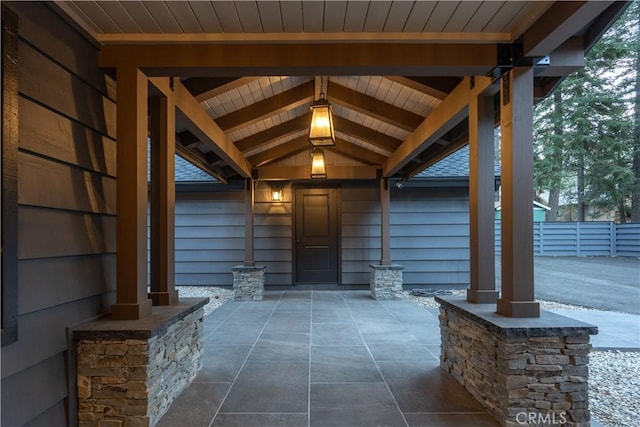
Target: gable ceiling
[{"x": 266, "y": 116}]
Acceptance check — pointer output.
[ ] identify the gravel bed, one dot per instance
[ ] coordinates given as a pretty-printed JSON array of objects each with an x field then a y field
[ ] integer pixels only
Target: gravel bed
[
  {"x": 217, "y": 296},
  {"x": 614, "y": 376}
]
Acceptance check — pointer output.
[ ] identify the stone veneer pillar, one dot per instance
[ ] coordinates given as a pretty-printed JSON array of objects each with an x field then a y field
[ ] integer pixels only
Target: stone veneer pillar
[
  {"x": 386, "y": 281},
  {"x": 525, "y": 371},
  {"x": 248, "y": 282},
  {"x": 129, "y": 372}
]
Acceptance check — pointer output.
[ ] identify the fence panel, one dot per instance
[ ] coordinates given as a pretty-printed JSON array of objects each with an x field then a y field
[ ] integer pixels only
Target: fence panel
[
  {"x": 628, "y": 239},
  {"x": 581, "y": 239}
]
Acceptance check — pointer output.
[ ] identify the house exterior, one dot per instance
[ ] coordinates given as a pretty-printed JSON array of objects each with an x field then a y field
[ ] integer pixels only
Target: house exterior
[
  {"x": 429, "y": 228},
  {"x": 84, "y": 84}
]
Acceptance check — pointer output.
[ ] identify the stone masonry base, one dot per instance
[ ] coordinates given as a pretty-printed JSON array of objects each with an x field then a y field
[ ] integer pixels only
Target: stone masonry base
[
  {"x": 130, "y": 372},
  {"x": 248, "y": 282},
  {"x": 525, "y": 371},
  {"x": 385, "y": 281}
]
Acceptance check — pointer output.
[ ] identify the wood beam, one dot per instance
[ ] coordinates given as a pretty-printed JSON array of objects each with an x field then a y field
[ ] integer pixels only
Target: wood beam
[
  {"x": 261, "y": 110},
  {"x": 197, "y": 158},
  {"x": 131, "y": 220},
  {"x": 516, "y": 123},
  {"x": 560, "y": 22},
  {"x": 271, "y": 134},
  {"x": 566, "y": 59},
  {"x": 604, "y": 21},
  {"x": 249, "y": 203},
  {"x": 482, "y": 288},
  {"x": 451, "y": 111},
  {"x": 204, "y": 88},
  {"x": 366, "y": 134},
  {"x": 191, "y": 115},
  {"x": 357, "y": 152},
  {"x": 373, "y": 107},
  {"x": 280, "y": 151},
  {"x": 187, "y": 139},
  {"x": 162, "y": 132},
  {"x": 385, "y": 222},
  {"x": 351, "y": 37},
  {"x": 438, "y": 87},
  {"x": 275, "y": 59},
  {"x": 304, "y": 172}
]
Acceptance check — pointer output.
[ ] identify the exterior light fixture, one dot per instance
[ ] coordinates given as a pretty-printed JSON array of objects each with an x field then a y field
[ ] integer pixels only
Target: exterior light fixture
[
  {"x": 318, "y": 168},
  {"x": 276, "y": 195},
  {"x": 321, "y": 131}
]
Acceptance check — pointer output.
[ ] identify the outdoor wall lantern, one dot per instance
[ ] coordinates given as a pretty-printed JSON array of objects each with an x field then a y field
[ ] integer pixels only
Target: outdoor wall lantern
[
  {"x": 318, "y": 169},
  {"x": 321, "y": 131},
  {"x": 276, "y": 195}
]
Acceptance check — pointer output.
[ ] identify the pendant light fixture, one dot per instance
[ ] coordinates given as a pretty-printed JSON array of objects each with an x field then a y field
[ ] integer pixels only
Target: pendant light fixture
[{"x": 321, "y": 131}]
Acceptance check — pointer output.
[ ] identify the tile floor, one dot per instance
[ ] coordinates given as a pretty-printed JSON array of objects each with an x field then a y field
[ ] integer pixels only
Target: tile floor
[{"x": 322, "y": 358}]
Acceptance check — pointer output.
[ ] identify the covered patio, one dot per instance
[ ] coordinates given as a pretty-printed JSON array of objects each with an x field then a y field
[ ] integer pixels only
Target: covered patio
[
  {"x": 324, "y": 358},
  {"x": 87, "y": 86}
]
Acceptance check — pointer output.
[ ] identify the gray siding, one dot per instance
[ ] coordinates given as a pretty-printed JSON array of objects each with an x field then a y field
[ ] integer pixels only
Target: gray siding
[
  {"x": 66, "y": 212},
  {"x": 430, "y": 235}
]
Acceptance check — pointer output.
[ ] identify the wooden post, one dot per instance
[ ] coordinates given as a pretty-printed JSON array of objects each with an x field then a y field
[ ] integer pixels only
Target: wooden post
[
  {"x": 163, "y": 200},
  {"x": 131, "y": 221},
  {"x": 516, "y": 120},
  {"x": 385, "y": 223},
  {"x": 481, "y": 196},
  {"x": 249, "y": 200}
]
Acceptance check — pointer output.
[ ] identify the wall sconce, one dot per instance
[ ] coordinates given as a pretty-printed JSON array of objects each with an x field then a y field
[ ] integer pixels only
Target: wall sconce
[
  {"x": 318, "y": 168},
  {"x": 276, "y": 195},
  {"x": 321, "y": 131}
]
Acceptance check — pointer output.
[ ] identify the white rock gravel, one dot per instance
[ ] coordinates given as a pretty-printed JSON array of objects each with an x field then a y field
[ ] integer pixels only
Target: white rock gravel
[{"x": 614, "y": 376}]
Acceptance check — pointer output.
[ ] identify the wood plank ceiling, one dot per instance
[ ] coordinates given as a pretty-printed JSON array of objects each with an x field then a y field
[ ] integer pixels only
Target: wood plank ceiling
[{"x": 267, "y": 117}]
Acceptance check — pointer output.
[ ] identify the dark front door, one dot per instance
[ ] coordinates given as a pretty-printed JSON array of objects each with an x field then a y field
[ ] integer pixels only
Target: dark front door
[{"x": 316, "y": 235}]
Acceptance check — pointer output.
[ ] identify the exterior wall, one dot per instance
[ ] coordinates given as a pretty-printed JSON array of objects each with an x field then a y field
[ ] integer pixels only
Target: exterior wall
[
  {"x": 66, "y": 212},
  {"x": 429, "y": 235}
]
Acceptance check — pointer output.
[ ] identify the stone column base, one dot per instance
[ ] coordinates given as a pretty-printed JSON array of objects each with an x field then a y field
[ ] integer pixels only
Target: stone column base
[
  {"x": 131, "y": 371},
  {"x": 248, "y": 282},
  {"x": 524, "y": 371},
  {"x": 386, "y": 281}
]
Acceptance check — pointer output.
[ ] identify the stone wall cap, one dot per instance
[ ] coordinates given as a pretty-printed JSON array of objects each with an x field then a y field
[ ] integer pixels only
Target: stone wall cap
[
  {"x": 548, "y": 324},
  {"x": 387, "y": 267},
  {"x": 248, "y": 267},
  {"x": 156, "y": 324}
]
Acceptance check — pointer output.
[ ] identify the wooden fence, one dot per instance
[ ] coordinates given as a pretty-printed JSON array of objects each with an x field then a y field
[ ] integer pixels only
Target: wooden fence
[{"x": 582, "y": 239}]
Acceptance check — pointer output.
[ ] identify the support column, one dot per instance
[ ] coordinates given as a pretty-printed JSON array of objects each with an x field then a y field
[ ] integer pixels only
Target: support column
[
  {"x": 249, "y": 201},
  {"x": 248, "y": 278},
  {"x": 385, "y": 222},
  {"x": 131, "y": 220},
  {"x": 163, "y": 201},
  {"x": 481, "y": 196},
  {"x": 516, "y": 120},
  {"x": 385, "y": 280}
]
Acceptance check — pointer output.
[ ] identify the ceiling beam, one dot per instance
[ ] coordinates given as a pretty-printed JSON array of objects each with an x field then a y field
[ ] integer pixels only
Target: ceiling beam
[
  {"x": 561, "y": 21},
  {"x": 261, "y": 110},
  {"x": 438, "y": 87},
  {"x": 304, "y": 172},
  {"x": 366, "y": 134},
  {"x": 275, "y": 59},
  {"x": 357, "y": 152},
  {"x": 281, "y": 151},
  {"x": 204, "y": 88},
  {"x": 192, "y": 117},
  {"x": 451, "y": 111},
  {"x": 196, "y": 158},
  {"x": 373, "y": 107},
  {"x": 271, "y": 134},
  {"x": 328, "y": 37}
]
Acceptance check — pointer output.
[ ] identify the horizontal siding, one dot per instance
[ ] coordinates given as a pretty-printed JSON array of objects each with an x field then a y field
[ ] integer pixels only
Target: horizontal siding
[
  {"x": 430, "y": 236},
  {"x": 360, "y": 236},
  {"x": 66, "y": 213}
]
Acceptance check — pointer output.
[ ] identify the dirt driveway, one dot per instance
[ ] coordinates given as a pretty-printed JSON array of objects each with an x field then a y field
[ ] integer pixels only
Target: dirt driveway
[{"x": 600, "y": 282}]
